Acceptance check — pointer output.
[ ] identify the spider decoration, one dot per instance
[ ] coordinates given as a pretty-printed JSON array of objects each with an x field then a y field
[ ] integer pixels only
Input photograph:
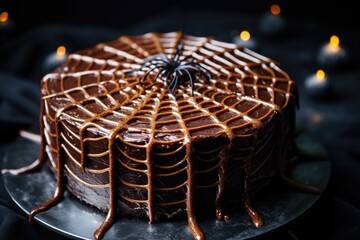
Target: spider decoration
[{"x": 173, "y": 68}]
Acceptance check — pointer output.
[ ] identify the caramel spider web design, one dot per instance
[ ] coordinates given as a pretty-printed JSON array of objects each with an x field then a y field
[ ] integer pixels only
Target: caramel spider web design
[{"x": 100, "y": 122}]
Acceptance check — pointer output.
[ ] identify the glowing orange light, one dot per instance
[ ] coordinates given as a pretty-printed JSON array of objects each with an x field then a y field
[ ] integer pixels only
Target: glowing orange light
[
  {"x": 334, "y": 41},
  {"x": 320, "y": 75},
  {"x": 275, "y": 9},
  {"x": 61, "y": 51},
  {"x": 4, "y": 17},
  {"x": 316, "y": 117},
  {"x": 245, "y": 35}
]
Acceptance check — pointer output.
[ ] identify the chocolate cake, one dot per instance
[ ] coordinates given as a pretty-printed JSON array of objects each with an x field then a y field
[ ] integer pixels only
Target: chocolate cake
[{"x": 166, "y": 124}]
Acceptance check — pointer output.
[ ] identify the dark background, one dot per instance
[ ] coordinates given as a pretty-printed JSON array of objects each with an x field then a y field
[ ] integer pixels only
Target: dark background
[
  {"x": 40, "y": 26},
  {"x": 119, "y": 14},
  {"x": 218, "y": 18}
]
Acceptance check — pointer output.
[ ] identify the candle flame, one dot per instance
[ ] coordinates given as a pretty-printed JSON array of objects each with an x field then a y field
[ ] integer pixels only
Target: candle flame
[
  {"x": 245, "y": 35},
  {"x": 334, "y": 41},
  {"x": 275, "y": 9},
  {"x": 4, "y": 17},
  {"x": 61, "y": 51},
  {"x": 320, "y": 74}
]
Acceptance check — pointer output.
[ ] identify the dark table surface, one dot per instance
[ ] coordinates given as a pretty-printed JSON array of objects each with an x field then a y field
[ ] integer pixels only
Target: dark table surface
[{"x": 334, "y": 121}]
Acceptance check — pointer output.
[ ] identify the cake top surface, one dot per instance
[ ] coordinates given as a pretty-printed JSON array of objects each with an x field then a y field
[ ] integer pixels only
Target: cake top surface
[{"x": 121, "y": 86}]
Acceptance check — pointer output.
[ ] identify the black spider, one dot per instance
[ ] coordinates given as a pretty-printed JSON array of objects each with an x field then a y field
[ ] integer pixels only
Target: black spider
[{"x": 173, "y": 68}]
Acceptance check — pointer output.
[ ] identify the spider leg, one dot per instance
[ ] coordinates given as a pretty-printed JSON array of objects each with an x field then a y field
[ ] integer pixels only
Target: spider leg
[
  {"x": 156, "y": 65},
  {"x": 163, "y": 73},
  {"x": 175, "y": 83},
  {"x": 167, "y": 59},
  {"x": 166, "y": 74},
  {"x": 171, "y": 80},
  {"x": 198, "y": 69},
  {"x": 168, "y": 86},
  {"x": 149, "y": 71},
  {"x": 191, "y": 80},
  {"x": 158, "y": 74},
  {"x": 168, "y": 78},
  {"x": 203, "y": 71}
]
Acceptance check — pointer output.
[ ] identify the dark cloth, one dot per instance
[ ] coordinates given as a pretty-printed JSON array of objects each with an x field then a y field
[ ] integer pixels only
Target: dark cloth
[{"x": 336, "y": 215}]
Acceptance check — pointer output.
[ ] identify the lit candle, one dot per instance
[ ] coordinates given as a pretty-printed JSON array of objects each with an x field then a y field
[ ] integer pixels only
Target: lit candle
[
  {"x": 272, "y": 23},
  {"x": 317, "y": 85},
  {"x": 55, "y": 59},
  {"x": 4, "y": 17},
  {"x": 5, "y": 23},
  {"x": 332, "y": 54},
  {"x": 244, "y": 39}
]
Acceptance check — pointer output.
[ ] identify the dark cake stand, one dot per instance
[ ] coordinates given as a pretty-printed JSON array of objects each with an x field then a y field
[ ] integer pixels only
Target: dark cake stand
[{"x": 72, "y": 218}]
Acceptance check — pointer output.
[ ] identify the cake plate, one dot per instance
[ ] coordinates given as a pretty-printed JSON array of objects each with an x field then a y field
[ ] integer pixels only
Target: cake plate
[{"x": 78, "y": 220}]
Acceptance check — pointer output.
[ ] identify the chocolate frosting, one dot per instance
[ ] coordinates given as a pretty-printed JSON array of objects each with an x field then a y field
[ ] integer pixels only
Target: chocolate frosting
[{"x": 122, "y": 142}]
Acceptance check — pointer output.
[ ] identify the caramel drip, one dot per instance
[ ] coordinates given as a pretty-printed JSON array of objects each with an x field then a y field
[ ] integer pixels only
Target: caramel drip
[
  {"x": 224, "y": 157},
  {"x": 149, "y": 162},
  {"x": 113, "y": 193},
  {"x": 192, "y": 221},
  {"x": 111, "y": 215},
  {"x": 60, "y": 184},
  {"x": 254, "y": 215}
]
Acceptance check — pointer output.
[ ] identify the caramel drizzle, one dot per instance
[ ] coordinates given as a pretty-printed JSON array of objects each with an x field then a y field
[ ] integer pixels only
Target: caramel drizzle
[
  {"x": 149, "y": 161},
  {"x": 192, "y": 221},
  {"x": 60, "y": 184},
  {"x": 224, "y": 156},
  {"x": 111, "y": 215},
  {"x": 254, "y": 215},
  {"x": 237, "y": 78}
]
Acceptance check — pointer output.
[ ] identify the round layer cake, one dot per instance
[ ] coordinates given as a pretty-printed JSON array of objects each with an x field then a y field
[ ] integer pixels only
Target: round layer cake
[{"x": 165, "y": 124}]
